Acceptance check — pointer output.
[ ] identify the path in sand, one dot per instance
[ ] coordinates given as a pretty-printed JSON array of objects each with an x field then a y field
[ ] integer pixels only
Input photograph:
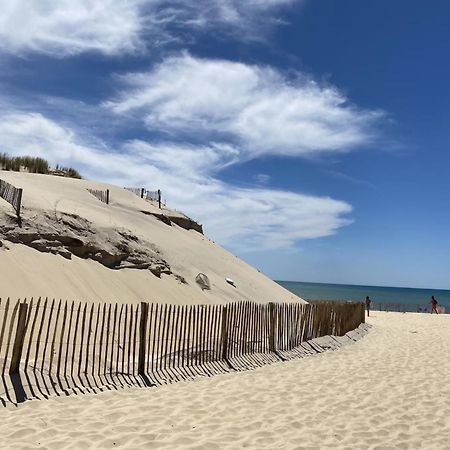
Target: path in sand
[{"x": 389, "y": 390}]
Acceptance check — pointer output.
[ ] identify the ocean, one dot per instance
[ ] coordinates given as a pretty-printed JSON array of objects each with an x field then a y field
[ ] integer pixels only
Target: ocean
[{"x": 388, "y": 297}]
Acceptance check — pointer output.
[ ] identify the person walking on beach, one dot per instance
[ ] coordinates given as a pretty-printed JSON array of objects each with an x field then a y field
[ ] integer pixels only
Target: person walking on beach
[
  {"x": 434, "y": 303},
  {"x": 368, "y": 303}
]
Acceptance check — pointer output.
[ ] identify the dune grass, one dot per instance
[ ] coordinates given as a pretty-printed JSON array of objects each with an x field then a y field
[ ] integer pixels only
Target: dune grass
[{"x": 34, "y": 164}]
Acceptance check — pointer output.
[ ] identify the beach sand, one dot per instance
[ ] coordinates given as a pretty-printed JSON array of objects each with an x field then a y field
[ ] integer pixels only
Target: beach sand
[{"x": 389, "y": 390}]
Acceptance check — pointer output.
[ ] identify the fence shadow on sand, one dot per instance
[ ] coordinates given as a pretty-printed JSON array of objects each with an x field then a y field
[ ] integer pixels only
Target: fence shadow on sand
[{"x": 55, "y": 348}]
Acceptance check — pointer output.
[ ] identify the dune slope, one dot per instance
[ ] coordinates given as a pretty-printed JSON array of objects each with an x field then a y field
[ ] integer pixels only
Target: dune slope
[{"x": 70, "y": 245}]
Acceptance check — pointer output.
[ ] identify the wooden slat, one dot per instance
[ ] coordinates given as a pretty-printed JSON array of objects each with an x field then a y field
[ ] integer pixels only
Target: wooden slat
[
  {"x": 90, "y": 348},
  {"x": 189, "y": 328},
  {"x": 107, "y": 340},
  {"x": 167, "y": 326},
  {"x": 74, "y": 338},
  {"x": 142, "y": 338},
  {"x": 10, "y": 331},
  {"x": 210, "y": 337},
  {"x": 185, "y": 348},
  {"x": 61, "y": 338},
  {"x": 124, "y": 339},
  {"x": 161, "y": 338},
  {"x": 55, "y": 329},
  {"x": 234, "y": 329},
  {"x": 216, "y": 331},
  {"x": 33, "y": 325},
  {"x": 154, "y": 332},
  {"x": 202, "y": 342},
  {"x": 135, "y": 338},
  {"x": 113, "y": 343},
  {"x": 81, "y": 342},
  {"x": 197, "y": 334},
  {"x": 18, "y": 340},
  {"x": 101, "y": 341},
  {"x": 174, "y": 331},
  {"x": 178, "y": 339},
  {"x": 94, "y": 344},
  {"x": 38, "y": 339},
  {"x": 130, "y": 361},
  {"x": 119, "y": 346}
]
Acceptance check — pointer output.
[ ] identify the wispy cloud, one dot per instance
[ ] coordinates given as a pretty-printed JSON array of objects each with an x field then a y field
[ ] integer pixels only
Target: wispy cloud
[
  {"x": 350, "y": 179},
  {"x": 66, "y": 27},
  {"x": 255, "y": 107},
  {"x": 262, "y": 178},
  {"x": 241, "y": 218}
]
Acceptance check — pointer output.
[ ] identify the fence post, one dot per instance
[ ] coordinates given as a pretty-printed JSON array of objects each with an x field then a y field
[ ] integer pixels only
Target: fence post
[
  {"x": 224, "y": 333},
  {"x": 142, "y": 192},
  {"x": 159, "y": 198},
  {"x": 272, "y": 320},
  {"x": 107, "y": 196},
  {"x": 19, "y": 201},
  {"x": 142, "y": 338},
  {"x": 18, "y": 341}
]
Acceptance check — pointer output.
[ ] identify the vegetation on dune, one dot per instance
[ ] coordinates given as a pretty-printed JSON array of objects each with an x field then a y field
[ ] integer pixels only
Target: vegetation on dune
[
  {"x": 17, "y": 163},
  {"x": 68, "y": 171},
  {"x": 34, "y": 165}
]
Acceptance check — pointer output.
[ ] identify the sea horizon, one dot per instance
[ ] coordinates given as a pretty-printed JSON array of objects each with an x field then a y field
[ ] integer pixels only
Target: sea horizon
[{"x": 411, "y": 298}]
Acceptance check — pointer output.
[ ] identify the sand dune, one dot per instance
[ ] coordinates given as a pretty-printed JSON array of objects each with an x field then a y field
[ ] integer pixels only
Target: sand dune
[
  {"x": 389, "y": 390},
  {"x": 118, "y": 252}
]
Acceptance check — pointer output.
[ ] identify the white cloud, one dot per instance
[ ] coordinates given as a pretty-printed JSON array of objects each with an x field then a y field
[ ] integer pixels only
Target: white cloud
[
  {"x": 66, "y": 27},
  {"x": 239, "y": 218},
  {"x": 257, "y": 108}
]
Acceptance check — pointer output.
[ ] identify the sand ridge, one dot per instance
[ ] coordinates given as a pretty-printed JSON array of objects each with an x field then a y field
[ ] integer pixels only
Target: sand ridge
[
  {"x": 90, "y": 237},
  {"x": 389, "y": 390}
]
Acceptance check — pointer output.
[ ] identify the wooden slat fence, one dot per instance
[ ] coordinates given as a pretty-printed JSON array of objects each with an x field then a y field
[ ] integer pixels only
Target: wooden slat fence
[
  {"x": 153, "y": 195},
  {"x": 50, "y": 347},
  {"x": 103, "y": 196},
  {"x": 12, "y": 195},
  {"x": 148, "y": 195},
  {"x": 140, "y": 192}
]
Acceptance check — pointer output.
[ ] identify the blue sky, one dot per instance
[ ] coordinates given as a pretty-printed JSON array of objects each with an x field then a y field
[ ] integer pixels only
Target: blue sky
[{"x": 309, "y": 136}]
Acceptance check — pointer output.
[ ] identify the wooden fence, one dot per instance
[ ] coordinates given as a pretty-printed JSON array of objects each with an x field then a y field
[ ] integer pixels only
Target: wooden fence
[
  {"x": 140, "y": 192},
  {"x": 103, "y": 196},
  {"x": 12, "y": 195},
  {"x": 50, "y": 347},
  {"x": 147, "y": 195}
]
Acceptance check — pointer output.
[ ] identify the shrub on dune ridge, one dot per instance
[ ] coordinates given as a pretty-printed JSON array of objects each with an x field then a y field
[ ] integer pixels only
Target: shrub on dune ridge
[
  {"x": 69, "y": 171},
  {"x": 34, "y": 165},
  {"x": 16, "y": 163}
]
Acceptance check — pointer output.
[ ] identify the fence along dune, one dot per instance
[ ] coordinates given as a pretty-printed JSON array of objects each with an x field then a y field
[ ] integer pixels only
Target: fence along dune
[
  {"x": 103, "y": 196},
  {"x": 50, "y": 347},
  {"x": 12, "y": 195}
]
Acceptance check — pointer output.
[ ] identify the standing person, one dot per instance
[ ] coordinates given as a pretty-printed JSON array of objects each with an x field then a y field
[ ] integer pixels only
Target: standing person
[
  {"x": 434, "y": 303},
  {"x": 368, "y": 303}
]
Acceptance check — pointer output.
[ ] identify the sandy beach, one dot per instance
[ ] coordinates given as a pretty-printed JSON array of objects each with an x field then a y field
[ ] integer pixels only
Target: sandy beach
[{"x": 388, "y": 390}]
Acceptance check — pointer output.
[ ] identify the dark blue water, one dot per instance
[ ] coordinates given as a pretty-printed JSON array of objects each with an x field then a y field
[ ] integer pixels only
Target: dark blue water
[{"x": 409, "y": 297}]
